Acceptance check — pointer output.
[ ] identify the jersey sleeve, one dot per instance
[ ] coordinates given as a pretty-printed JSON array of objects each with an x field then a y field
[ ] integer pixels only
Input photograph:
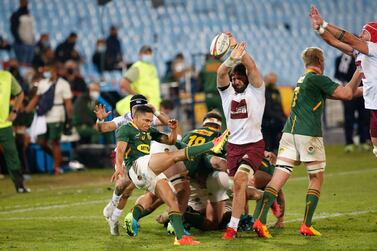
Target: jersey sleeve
[
  {"x": 325, "y": 84},
  {"x": 132, "y": 74},
  {"x": 156, "y": 134},
  {"x": 15, "y": 88},
  {"x": 123, "y": 134},
  {"x": 372, "y": 49},
  {"x": 180, "y": 144},
  {"x": 67, "y": 93}
]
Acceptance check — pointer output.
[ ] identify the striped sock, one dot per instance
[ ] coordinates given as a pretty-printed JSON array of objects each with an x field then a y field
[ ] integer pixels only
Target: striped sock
[
  {"x": 137, "y": 211},
  {"x": 312, "y": 197},
  {"x": 264, "y": 204}
]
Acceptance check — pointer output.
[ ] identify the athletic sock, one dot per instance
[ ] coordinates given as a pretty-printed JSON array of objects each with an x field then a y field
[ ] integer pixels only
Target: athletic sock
[
  {"x": 194, "y": 219},
  {"x": 115, "y": 199},
  {"x": 145, "y": 212},
  {"x": 176, "y": 221},
  {"x": 137, "y": 211},
  {"x": 191, "y": 151},
  {"x": 116, "y": 214},
  {"x": 264, "y": 204},
  {"x": 233, "y": 223},
  {"x": 312, "y": 197}
]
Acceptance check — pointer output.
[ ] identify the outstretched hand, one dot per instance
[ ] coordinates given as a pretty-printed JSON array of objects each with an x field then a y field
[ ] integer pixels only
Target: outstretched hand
[
  {"x": 117, "y": 173},
  {"x": 238, "y": 51},
  {"x": 100, "y": 111},
  {"x": 232, "y": 40},
  {"x": 315, "y": 17}
]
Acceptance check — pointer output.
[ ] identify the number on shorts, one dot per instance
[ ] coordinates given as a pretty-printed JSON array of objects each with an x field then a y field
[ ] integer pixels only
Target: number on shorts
[{"x": 196, "y": 140}]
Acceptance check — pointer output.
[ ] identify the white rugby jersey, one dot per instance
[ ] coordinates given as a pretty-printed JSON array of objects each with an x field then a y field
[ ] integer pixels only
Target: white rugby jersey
[
  {"x": 368, "y": 65},
  {"x": 244, "y": 113}
]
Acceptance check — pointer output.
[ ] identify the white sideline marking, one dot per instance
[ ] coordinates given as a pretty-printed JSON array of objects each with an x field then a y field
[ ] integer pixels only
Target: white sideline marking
[
  {"x": 54, "y": 218},
  {"x": 327, "y": 215},
  {"x": 32, "y": 209}
]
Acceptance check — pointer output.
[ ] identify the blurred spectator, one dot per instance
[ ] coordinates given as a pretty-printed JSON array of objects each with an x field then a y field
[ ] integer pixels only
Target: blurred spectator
[
  {"x": 10, "y": 87},
  {"x": 273, "y": 117},
  {"x": 344, "y": 69},
  {"x": 22, "y": 28},
  {"x": 46, "y": 58},
  {"x": 41, "y": 47},
  {"x": 73, "y": 76},
  {"x": 84, "y": 119},
  {"x": 4, "y": 45},
  {"x": 66, "y": 50},
  {"x": 56, "y": 116},
  {"x": 180, "y": 71},
  {"x": 99, "y": 55},
  {"x": 166, "y": 106},
  {"x": 208, "y": 78},
  {"x": 114, "y": 55},
  {"x": 142, "y": 78}
]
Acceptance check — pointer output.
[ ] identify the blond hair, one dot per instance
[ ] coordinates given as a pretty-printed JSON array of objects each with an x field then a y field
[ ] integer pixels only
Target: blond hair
[{"x": 313, "y": 56}]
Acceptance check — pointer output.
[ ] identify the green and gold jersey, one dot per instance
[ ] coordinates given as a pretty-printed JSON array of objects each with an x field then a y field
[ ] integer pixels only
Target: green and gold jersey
[
  {"x": 138, "y": 142},
  {"x": 308, "y": 104},
  {"x": 198, "y": 137}
]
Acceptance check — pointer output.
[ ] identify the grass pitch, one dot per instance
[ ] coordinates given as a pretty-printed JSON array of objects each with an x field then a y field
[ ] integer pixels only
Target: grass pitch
[{"x": 65, "y": 213}]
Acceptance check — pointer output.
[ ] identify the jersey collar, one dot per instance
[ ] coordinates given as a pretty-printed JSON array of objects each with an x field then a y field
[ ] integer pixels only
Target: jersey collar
[{"x": 313, "y": 71}]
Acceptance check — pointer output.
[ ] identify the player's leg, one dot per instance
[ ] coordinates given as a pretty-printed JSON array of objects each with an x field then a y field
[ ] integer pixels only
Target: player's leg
[
  {"x": 373, "y": 130},
  {"x": 316, "y": 176},
  {"x": 164, "y": 191},
  {"x": 159, "y": 162}
]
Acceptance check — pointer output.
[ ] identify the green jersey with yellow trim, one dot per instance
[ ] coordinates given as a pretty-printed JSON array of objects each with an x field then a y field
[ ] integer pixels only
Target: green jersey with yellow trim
[
  {"x": 267, "y": 167},
  {"x": 308, "y": 104},
  {"x": 138, "y": 141},
  {"x": 198, "y": 137}
]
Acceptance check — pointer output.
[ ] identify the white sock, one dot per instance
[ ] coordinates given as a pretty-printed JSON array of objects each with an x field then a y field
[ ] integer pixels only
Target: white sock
[
  {"x": 115, "y": 198},
  {"x": 116, "y": 214},
  {"x": 234, "y": 223}
]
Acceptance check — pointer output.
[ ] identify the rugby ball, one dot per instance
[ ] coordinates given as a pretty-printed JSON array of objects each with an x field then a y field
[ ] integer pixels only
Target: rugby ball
[{"x": 220, "y": 45}]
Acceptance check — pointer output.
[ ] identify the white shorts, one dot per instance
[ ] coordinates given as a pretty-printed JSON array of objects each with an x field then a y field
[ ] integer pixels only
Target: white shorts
[
  {"x": 143, "y": 177},
  {"x": 301, "y": 148},
  {"x": 199, "y": 196}
]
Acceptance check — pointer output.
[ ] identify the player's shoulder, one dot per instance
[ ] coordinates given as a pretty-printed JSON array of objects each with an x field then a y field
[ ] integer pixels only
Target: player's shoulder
[
  {"x": 203, "y": 131},
  {"x": 317, "y": 78}
]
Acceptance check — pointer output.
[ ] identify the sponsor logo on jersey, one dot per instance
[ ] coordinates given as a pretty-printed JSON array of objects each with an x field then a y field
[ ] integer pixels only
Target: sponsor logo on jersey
[
  {"x": 238, "y": 110},
  {"x": 144, "y": 148},
  {"x": 203, "y": 132}
]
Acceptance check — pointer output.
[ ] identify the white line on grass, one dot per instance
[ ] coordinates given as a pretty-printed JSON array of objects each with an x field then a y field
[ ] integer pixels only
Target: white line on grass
[{"x": 32, "y": 209}]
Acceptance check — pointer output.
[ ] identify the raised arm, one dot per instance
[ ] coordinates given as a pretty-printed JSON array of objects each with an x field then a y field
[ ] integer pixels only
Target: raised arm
[
  {"x": 343, "y": 37},
  {"x": 224, "y": 69},
  {"x": 253, "y": 74},
  {"x": 172, "y": 137},
  {"x": 101, "y": 126}
]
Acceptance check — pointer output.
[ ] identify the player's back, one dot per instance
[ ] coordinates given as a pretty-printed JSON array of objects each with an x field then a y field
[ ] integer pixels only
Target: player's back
[{"x": 308, "y": 104}]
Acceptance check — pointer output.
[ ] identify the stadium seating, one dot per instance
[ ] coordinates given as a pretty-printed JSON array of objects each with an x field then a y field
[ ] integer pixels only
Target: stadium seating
[{"x": 276, "y": 31}]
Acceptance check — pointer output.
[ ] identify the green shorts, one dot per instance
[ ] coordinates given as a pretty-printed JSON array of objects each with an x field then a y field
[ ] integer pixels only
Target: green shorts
[
  {"x": 54, "y": 132},
  {"x": 267, "y": 167}
]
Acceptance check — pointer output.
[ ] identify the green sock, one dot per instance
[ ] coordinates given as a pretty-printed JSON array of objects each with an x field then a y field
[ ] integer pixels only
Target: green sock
[
  {"x": 145, "y": 212},
  {"x": 194, "y": 219},
  {"x": 176, "y": 221},
  {"x": 264, "y": 204},
  {"x": 137, "y": 211},
  {"x": 191, "y": 151},
  {"x": 312, "y": 197}
]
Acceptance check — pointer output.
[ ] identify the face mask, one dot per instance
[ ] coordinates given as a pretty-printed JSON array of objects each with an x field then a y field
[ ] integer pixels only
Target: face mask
[
  {"x": 147, "y": 58},
  {"x": 94, "y": 95},
  {"x": 179, "y": 67},
  {"x": 47, "y": 74},
  {"x": 101, "y": 48}
]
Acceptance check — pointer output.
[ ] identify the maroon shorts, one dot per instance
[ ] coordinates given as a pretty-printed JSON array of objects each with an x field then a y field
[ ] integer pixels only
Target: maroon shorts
[
  {"x": 373, "y": 123},
  {"x": 251, "y": 153}
]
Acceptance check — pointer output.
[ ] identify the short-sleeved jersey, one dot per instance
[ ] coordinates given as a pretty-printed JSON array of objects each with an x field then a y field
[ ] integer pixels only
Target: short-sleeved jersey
[
  {"x": 368, "y": 65},
  {"x": 126, "y": 118},
  {"x": 308, "y": 104},
  {"x": 243, "y": 113},
  {"x": 138, "y": 142},
  {"x": 198, "y": 137}
]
